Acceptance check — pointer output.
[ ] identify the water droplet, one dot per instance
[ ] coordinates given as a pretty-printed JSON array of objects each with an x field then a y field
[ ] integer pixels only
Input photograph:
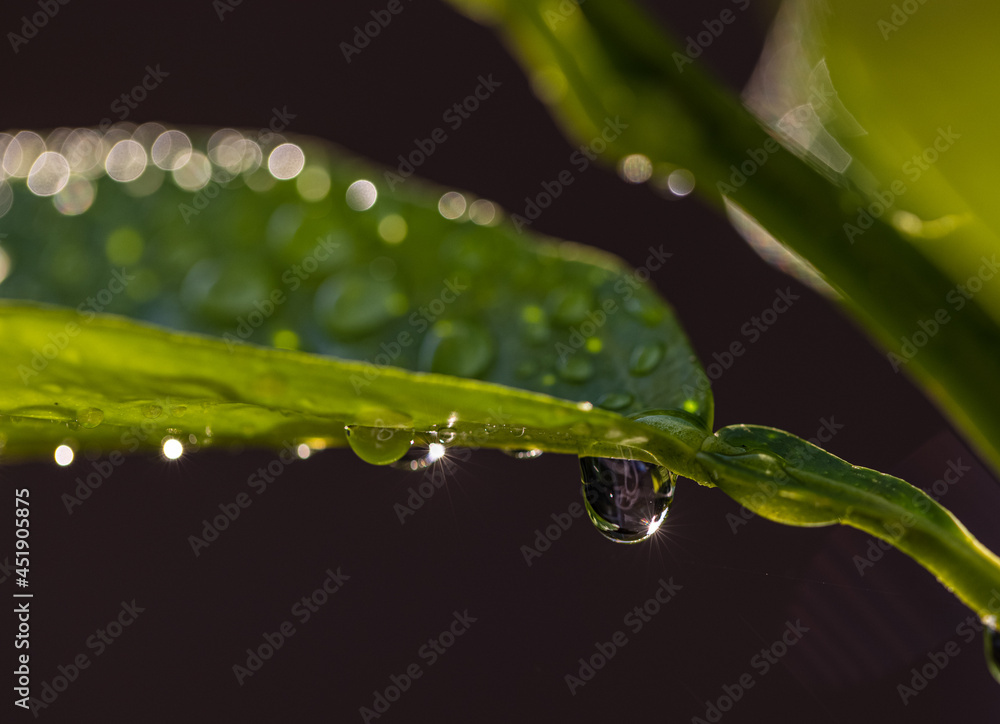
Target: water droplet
[
  {"x": 152, "y": 411},
  {"x": 226, "y": 289},
  {"x": 570, "y": 306},
  {"x": 463, "y": 349},
  {"x": 90, "y": 417},
  {"x": 645, "y": 358},
  {"x": 379, "y": 445},
  {"x": 614, "y": 400},
  {"x": 681, "y": 182},
  {"x": 576, "y": 369},
  {"x": 991, "y": 645},
  {"x": 635, "y": 168},
  {"x": 361, "y": 195},
  {"x": 646, "y": 309},
  {"x": 355, "y": 304},
  {"x": 286, "y": 161},
  {"x": 452, "y": 205},
  {"x": 446, "y": 436},
  {"x": 524, "y": 454},
  {"x": 627, "y": 500}
]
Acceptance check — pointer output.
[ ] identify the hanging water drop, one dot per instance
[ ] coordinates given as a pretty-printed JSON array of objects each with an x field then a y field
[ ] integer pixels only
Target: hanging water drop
[
  {"x": 379, "y": 445},
  {"x": 627, "y": 500},
  {"x": 991, "y": 645}
]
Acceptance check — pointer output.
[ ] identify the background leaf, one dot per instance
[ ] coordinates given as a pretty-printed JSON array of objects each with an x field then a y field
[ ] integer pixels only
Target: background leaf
[{"x": 601, "y": 59}]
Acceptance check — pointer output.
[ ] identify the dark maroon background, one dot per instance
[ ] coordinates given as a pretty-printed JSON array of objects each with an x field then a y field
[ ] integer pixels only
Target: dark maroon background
[{"x": 461, "y": 550}]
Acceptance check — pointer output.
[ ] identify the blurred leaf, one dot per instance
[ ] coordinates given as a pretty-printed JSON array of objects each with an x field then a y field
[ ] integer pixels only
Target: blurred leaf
[
  {"x": 602, "y": 59},
  {"x": 897, "y": 91}
]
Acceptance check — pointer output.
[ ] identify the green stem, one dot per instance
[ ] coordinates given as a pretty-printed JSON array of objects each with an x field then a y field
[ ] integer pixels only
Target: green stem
[{"x": 790, "y": 481}]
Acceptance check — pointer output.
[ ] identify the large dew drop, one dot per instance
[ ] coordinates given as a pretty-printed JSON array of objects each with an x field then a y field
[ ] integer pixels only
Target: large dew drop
[
  {"x": 379, "y": 445},
  {"x": 626, "y": 500}
]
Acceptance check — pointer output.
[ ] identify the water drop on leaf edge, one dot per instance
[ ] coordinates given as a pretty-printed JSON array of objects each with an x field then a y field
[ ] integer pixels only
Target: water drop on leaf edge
[
  {"x": 626, "y": 500},
  {"x": 379, "y": 445}
]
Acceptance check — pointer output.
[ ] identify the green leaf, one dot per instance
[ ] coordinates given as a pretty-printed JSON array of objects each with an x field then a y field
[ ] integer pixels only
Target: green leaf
[
  {"x": 119, "y": 384},
  {"x": 527, "y": 328},
  {"x": 791, "y": 481}
]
